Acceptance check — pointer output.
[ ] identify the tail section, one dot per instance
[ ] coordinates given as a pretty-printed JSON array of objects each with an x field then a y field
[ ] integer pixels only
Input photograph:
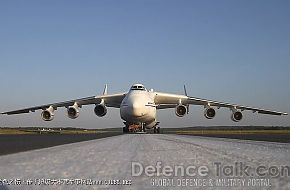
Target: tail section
[
  {"x": 105, "y": 92},
  {"x": 185, "y": 93}
]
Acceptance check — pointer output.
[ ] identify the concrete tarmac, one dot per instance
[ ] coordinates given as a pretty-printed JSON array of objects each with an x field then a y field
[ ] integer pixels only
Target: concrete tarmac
[{"x": 150, "y": 161}]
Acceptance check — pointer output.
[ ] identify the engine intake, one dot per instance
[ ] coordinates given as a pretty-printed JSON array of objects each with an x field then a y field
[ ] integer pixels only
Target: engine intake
[
  {"x": 237, "y": 116},
  {"x": 48, "y": 114},
  {"x": 73, "y": 112},
  {"x": 180, "y": 110},
  {"x": 209, "y": 113},
  {"x": 100, "y": 110}
]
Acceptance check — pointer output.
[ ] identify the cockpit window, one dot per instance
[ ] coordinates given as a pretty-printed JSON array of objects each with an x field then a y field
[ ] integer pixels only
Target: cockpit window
[{"x": 137, "y": 88}]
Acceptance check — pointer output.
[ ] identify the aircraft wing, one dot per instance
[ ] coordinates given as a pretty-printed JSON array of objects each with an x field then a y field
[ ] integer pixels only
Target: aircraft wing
[
  {"x": 165, "y": 100},
  {"x": 113, "y": 100}
]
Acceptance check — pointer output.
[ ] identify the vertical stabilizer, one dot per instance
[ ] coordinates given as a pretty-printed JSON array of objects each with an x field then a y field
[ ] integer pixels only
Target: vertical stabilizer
[
  {"x": 105, "y": 92},
  {"x": 185, "y": 93}
]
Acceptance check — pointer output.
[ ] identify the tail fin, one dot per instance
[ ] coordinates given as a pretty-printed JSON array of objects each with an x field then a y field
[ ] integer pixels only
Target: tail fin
[
  {"x": 105, "y": 92},
  {"x": 185, "y": 93}
]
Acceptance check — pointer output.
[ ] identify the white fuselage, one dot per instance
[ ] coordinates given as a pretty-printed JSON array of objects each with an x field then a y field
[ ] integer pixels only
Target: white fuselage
[{"x": 138, "y": 107}]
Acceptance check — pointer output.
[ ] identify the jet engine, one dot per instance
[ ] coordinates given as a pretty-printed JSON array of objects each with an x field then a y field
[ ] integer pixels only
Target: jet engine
[
  {"x": 209, "y": 113},
  {"x": 100, "y": 110},
  {"x": 73, "y": 111},
  {"x": 237, "y": 116},
  {"x": 180, "y": 110},
  {"x": 48, "y": 114}
]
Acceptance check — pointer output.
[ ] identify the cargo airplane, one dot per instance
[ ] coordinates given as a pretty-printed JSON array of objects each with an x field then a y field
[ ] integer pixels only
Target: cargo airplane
[{"x": 139, "y": 106}]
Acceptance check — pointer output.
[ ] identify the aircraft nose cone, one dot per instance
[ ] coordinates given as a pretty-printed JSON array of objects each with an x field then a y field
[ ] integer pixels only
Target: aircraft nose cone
[{"x": 136, "y": 110}]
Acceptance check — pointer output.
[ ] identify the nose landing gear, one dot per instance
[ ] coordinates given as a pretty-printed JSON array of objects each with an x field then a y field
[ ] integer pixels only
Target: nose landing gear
[
  {"x": 134, "y": 128},
  {"x": 139, "y": 128}
]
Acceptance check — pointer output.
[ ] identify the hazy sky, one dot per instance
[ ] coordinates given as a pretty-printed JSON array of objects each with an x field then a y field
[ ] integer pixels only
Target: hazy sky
[{"x": 234, "y": 51}]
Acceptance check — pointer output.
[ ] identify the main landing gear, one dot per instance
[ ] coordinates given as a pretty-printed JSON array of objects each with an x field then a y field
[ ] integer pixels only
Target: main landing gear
[
  {"x": 156, "y": 129},
  {"x": 143, "y": 127},
  {"x": 126, "y": 129}
]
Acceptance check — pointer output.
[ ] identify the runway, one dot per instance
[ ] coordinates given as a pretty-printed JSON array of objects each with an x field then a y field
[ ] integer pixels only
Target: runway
[{"x": 103, "y": 160}]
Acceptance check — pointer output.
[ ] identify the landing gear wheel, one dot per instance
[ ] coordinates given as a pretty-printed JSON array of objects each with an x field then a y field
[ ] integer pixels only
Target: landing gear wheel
[
  {"x": 143, "y": 127},
  {"x": 125, "y": 129},
  {"x": 158, "y": 130},
  {"x": 155, "y": 130}
]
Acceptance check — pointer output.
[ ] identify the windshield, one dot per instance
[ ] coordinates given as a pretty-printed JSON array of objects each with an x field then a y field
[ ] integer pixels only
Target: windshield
[{"x": 137, "y": 88}]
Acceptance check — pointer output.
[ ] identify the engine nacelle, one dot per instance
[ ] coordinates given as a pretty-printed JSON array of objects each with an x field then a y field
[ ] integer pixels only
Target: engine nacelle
[
  {"x": 237, "y": 116},
  {"x": 209, "y": 113},
  {"x": 73, "y": 111},
  {"x": 180, "y": 110},
  {"x": 48, "y": 114},
  {"x": 100, "y": 110}
]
